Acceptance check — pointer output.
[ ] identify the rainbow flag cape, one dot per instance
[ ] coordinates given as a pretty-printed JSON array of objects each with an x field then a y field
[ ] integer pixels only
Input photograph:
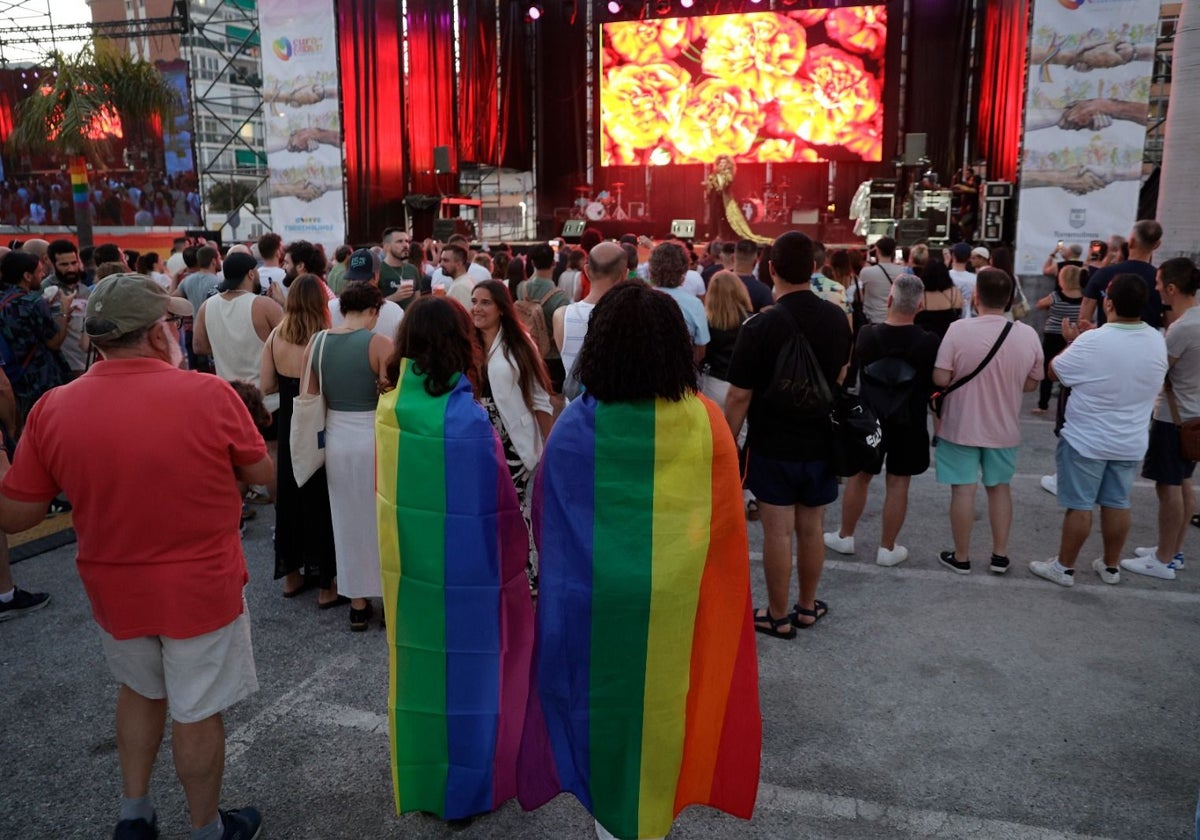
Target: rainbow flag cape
[
  {"x": 644, "y": 694},
  {"x": 453, "y": 548}
]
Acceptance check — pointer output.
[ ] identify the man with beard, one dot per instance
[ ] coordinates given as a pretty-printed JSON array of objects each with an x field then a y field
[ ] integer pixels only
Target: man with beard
[
  {"x": 169, "y": 601},
  {"x": 68, "y": 276},
  {"x": 397, "y": 276}
]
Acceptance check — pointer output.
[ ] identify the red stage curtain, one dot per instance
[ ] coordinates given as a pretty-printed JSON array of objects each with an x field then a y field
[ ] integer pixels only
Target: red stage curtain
[
  {"x": 1002, "y": 86},
  {"x": 515, "y": 138},
  {"x": 477, "y": 81},
  {"x": 429, "y": 94},
  {"x": 369, "y": 51}
]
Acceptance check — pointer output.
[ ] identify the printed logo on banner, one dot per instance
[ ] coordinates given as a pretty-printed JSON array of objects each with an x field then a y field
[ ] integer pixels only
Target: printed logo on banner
[
  {"x": 1071, "y": 4},
  {"x": 1078, "y": 217},
  {"x": 283, "y": 49}
]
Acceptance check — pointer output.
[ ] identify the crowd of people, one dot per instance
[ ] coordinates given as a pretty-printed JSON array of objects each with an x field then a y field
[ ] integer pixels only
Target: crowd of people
[
  {"x": 503, "y": 430},
  {"x": 153, "y": 199}
]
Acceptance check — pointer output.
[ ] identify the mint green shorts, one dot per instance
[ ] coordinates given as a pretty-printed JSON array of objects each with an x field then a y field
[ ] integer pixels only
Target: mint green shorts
[{"x": 958, "y": 464}]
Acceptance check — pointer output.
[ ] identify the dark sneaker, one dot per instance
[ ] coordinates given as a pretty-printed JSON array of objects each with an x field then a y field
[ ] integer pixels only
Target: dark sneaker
[
  {"x": 23, "y": 602},
  {"x": 962, "y": 567},
  {"x": 999, "y": 565},
  {"x": 59, "y": 506},
  {"x": 241, "y": 824},
  {"x": 137, "y": 829}
]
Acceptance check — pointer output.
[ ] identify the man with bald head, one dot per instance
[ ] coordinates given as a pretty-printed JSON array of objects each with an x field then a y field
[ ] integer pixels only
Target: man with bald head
[{"x": 606, "y": 267}]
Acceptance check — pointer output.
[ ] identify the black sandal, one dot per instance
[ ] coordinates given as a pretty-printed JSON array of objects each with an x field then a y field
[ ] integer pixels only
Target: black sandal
[
  {"x": 771, "y": 626},
  {"x": 819, "y": 610}
]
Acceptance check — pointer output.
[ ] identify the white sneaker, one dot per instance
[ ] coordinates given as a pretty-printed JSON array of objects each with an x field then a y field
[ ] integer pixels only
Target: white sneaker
[
  {"x": 840, "y": 544},
  {"x": 1177, "y": 562},
  {"x": 891, "y": 556},
  {"x": 1050, "y": 485},
  {"x": 1148, "y": 566},
  {"x": 1049, "y": 570},
  {"x": 1106, "y": 574}
]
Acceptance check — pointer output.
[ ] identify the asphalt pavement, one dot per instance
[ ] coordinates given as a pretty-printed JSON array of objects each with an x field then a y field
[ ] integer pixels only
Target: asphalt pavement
[{"x": 926, "y": 704}]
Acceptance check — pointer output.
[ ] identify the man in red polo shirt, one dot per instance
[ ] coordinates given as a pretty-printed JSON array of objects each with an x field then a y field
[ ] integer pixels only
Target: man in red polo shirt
[{"x": 164, "y": 445}]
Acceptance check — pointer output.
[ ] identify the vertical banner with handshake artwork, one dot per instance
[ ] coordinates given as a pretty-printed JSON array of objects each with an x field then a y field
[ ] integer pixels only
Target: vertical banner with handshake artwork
[
  {"x": 301, "y": 121},
  {"x": 1086, "y": 110}
]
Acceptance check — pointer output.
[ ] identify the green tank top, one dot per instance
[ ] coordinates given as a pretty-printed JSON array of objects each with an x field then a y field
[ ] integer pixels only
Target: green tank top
[{"x": 347, "y": 380}]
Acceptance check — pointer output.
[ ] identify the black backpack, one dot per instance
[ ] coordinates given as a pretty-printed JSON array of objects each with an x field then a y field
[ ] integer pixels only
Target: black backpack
[
  {"x": 798, "y": 386},
  {"x": 886, "y": 385}
]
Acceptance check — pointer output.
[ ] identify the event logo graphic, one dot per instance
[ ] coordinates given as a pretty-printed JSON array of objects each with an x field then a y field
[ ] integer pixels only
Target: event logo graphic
[
  {"x": 285, "y": 48},
  {"x": 1071, "y": 4},
  {"x": 1078, "y": 217}
]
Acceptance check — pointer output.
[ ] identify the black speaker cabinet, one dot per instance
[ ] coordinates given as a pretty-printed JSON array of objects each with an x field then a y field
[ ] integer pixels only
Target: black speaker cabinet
[
  {"x": 441, "y": 159},
  {"x": 911, "y": 231}
]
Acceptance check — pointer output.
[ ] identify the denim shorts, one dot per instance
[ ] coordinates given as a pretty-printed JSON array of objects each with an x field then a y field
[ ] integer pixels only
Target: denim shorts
[
  {"x": 1084, "y": 483},
  {"x": 958, "y": 464},
  {"x": 788, "y": 483}
]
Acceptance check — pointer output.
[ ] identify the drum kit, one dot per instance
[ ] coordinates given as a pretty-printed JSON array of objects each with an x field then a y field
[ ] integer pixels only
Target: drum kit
[
  {"x": 599, "y": 206},
  {"x": 774, "y": 206}
]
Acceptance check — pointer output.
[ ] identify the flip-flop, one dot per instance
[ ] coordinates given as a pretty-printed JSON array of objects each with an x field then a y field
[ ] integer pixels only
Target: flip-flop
[
  {"x": 336, "y": 602},
  {"x": 771, "y": 626},
  {"x": 819, "y": 610}
]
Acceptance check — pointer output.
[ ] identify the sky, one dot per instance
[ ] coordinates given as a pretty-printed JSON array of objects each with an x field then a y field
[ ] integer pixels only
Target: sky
[{"x": 34, "y": 12}]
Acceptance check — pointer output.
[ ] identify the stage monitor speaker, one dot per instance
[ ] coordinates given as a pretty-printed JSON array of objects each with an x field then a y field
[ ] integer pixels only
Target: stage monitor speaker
[
  {"x": 441, "y": 159},
  {"x": 914, "y": 149},
  {"x": 683, "y": 228},
  {"x": 805, "y": 215},
  {"x": 911, "y": 231},
  {"x": 573, "y": 229},
  {"x": 880, "y": 227}
]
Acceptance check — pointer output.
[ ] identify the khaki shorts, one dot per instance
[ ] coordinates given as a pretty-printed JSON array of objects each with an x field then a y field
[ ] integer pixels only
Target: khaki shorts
[{"x": 199, "y": 677}]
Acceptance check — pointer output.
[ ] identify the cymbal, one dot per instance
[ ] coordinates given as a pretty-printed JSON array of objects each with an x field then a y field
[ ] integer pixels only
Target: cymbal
[
  {"x": 584, "y": 188},
  {"x": 616, "y": 185}
]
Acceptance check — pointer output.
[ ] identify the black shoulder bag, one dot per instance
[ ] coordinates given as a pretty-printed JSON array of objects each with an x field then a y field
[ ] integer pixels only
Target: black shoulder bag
[{"x": 938, "y": 397}]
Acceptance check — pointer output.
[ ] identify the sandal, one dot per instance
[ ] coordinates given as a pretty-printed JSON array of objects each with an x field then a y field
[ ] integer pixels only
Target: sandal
[
  {"x": 305, "y": 585},
  {"x": 336, "y": 602},
  {"x": 771, "y": 626},
  {"x": 752, "y": 510},
  {"x": 820, "y": 608}
]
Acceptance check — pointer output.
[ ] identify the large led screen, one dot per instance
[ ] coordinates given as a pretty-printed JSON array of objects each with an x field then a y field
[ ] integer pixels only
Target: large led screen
[{"x": 780, "y": 87}]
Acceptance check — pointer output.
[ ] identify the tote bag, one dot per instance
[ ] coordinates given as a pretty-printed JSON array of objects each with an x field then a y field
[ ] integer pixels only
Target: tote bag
[{"x": 307, "y": 435}]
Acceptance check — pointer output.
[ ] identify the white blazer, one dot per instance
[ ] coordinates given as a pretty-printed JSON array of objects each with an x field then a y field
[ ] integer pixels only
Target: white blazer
[{"x": 523, "y": 430}]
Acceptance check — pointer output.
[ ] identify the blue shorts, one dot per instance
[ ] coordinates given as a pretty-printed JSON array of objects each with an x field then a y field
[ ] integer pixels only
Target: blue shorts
[
  {"x": 958, "y": 464},
  {"x": 1164, "y": 464},
  {"x": 788, "y": 483},
  {"x": 1084, "y": 483}
]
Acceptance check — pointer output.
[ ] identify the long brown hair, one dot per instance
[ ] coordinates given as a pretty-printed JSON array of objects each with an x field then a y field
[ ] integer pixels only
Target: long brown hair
[
  {"x": 727, "y": 303},
  {"x": 306, "y": 312},
  {"x": 437, "y": 335},
  {"x": 518, "y": 346}
]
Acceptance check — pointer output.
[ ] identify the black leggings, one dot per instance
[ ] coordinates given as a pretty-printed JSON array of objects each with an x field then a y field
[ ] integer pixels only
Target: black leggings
[{"x": 1052, "y": 345}]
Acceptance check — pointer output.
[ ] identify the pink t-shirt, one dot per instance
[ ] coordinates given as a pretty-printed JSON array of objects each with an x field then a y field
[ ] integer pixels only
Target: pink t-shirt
[
  {"x": 986, "y": 411},
  {"x": 146, "y": 454}
]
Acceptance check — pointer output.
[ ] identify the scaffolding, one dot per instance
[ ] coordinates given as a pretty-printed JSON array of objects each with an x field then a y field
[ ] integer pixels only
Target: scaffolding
[{"x": 31, "y": 33}]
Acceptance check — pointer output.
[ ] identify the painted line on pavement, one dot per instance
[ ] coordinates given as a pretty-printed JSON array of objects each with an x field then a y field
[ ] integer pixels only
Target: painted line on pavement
[
  {"x": 899, "y": 818},
  {"x": 984, "y": 578},
  {"x": 800, "y": 803},
  {"x": 289, "y": 705}
]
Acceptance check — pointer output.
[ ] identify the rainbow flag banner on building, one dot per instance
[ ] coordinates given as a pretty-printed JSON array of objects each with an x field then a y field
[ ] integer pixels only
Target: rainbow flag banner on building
[
  {"x": 453, "y": 548},
  {"x": 644, "y": 692}
]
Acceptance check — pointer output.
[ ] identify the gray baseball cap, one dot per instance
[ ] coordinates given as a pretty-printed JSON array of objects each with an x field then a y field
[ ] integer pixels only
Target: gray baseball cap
[{"x": 124, "y": 303}]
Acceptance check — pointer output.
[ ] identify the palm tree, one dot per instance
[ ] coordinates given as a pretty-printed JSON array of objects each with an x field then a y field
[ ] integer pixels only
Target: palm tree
[
  {"x": 1178, "y": 207},
  {"x": 81, "y": 91}
]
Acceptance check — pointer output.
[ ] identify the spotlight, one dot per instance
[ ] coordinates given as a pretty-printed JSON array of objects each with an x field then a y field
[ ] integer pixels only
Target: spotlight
[
  {"x": 687, "y": 4},
  {"x": 614, "y": 7},
  {"x": 533, "y": 12}
]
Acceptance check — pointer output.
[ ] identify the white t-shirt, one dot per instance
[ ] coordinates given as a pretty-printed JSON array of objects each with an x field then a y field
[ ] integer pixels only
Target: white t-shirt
[
  {"x": 269, "y": 274},
  {"x": 390, "y": 317},
  {"x": 694, "y": 283},
  {"x": 1114, "y": 373},
  {"x": 474, "y": 270},
  {"x": 965, "y": 283}
]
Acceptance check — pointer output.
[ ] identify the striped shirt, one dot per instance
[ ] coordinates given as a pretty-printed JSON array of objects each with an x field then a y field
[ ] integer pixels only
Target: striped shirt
[{"x": 1061, "y": 307}]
